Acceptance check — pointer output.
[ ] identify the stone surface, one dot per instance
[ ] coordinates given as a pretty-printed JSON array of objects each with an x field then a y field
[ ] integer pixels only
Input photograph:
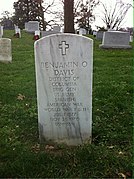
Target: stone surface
[
  {"x": 64, "y": 88},
  {"x": 99, "y": 35},
  {"x": 56, "y": 28},
  {"x": 8, "y": 24},
  {"x": 82, "y": 31},
  {"x": 115, "y": 39},
  {"x": 94, "y": 33},
  {"x": 46, "y": 33},
  {"x": 5, "y": 50},
  {"x": 32, "y": 26},
  {"x": 26, "y": 26}
]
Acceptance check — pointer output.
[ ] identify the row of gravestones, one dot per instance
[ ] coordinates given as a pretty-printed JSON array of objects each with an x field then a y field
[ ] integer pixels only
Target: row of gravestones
[
  {"x": 64, "y": 69},
  {"x": 33, "y": 27},
  {"x": 111, "y": 39}
]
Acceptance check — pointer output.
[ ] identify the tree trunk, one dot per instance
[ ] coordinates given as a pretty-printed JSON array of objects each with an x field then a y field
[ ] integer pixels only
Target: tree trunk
[
  {"x": 68, "y": 16},
  {"x": 27, "y": 11},
  {"x": 42, "y": 17}
]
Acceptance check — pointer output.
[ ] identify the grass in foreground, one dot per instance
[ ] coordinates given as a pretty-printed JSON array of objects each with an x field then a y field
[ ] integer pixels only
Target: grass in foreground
[{"x": 109, "y": 155}]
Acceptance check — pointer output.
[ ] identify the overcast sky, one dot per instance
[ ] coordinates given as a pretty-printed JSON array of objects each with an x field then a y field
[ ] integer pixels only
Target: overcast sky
[{"x": 7, "y": 5}]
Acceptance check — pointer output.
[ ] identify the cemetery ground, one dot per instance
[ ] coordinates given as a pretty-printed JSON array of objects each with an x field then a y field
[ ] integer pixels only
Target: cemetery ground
[{"x": 109, "y": 155}]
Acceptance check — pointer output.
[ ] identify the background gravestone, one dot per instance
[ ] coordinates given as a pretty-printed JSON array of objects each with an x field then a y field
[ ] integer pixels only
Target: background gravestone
[
  {"x": 56, "y": 28},
  {"x": 50, "y": 32},
  {"x": 5, "y": 50},
  {"x": 8, "y": 24},
  {"x": 116, "y": 39},
  {"x": 64, "y": 88},
  {"x": 99, "y": 35},
  {"x": 131, "y": 38},
  {"x": 82, "y": 31},
  {"x": 32, "y": 26}
]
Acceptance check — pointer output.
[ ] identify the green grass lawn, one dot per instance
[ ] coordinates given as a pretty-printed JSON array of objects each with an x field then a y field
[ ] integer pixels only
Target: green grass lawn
[{"x": 109, "y": 155}]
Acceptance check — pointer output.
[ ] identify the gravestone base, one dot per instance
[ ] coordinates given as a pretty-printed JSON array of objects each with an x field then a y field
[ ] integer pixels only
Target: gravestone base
[
  {"x": 115, "y": 46},
  {"x": 49, "y": 138}
]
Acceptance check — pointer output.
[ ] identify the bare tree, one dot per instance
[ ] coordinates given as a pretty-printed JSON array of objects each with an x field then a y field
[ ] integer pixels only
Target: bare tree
[
  {"x": 6, "y": 14},
  {"x": 44, "y": 8},
  {"x": 113, "y": 16},
  {"x": 81, "y": 12},
  {"x": 84, "y": 15}
]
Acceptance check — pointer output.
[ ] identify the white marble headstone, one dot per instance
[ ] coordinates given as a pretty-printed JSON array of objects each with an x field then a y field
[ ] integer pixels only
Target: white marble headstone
[
  {"x": 5, "y": 50},
  {"x": 131, "y": 38},
  {"x": 64, "y": 88}
]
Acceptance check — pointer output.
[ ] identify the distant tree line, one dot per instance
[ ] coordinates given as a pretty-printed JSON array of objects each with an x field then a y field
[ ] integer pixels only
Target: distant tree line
[{"x": 80, "y": 12}]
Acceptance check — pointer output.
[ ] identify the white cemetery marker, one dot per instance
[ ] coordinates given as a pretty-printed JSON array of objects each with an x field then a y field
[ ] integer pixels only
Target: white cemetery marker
[
  {"x": 18, "y": 32},
  {"x": 37, "y": 32},
  {"x": 64, "y": 88},
  {"x": 5, "y": 50},
  {"x": 1, "y": 31},
  {"x": 131, "y": 38}
]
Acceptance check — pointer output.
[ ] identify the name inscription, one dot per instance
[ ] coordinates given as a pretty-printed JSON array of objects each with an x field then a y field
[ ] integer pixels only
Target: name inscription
[{"x": 64, "y": 110}]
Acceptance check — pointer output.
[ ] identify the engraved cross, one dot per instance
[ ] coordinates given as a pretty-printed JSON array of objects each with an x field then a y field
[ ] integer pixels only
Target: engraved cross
[{"x": 63, "y": 46}]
